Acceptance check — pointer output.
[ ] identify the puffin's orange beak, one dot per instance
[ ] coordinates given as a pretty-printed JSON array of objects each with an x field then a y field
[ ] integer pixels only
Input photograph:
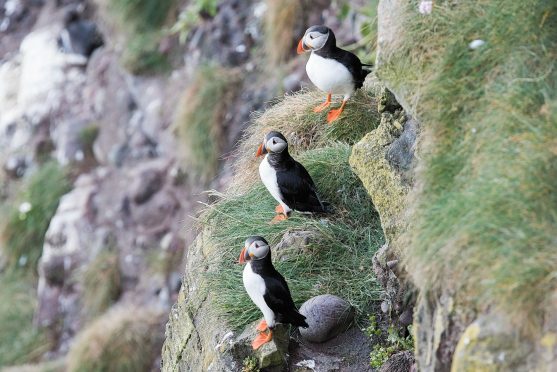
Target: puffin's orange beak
[
  {"x": 242, "y": 259},
  {"x": 260, "y": 151},
  {"x": 300, "y": 48}
]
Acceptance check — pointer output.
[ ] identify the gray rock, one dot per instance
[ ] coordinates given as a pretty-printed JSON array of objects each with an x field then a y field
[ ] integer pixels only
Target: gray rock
[
  {"x": 399, "y": 362},
  {"x": 400, "y": 154},
  {"x": 15, "y": 166},
  {"x": 148, "y": 183},
  {"x": 272, "y": 355},
  {"x": 293, "y": 242},
  {"x": 327, "y": 316}
]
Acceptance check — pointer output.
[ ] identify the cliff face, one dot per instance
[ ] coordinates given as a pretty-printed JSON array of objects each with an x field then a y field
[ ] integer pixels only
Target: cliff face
[{"x": 482, "y": 265}]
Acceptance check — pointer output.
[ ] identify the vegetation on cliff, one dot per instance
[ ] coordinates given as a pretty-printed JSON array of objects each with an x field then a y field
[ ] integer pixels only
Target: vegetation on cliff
[
  {"x": 484, "y": 219},
  {"x": 338, "y": 256}
]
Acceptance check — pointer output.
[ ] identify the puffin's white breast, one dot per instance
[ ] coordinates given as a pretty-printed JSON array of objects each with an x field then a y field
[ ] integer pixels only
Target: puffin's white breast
[
  {"x": 269, "y": 178},
  {"x": 255, "y": 287},
  {"x": 330, "y": 75}
]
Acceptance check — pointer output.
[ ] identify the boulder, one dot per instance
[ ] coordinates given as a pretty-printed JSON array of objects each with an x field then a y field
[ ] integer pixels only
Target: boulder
[
  {"x": 327, "y": 316},
  {"x": 273, "y": 354}
]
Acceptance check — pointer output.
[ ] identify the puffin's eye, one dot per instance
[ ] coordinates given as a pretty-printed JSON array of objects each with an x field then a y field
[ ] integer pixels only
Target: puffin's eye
[
  {"x": 311, "y": 36},
  {"x": 274, "y": 142}
]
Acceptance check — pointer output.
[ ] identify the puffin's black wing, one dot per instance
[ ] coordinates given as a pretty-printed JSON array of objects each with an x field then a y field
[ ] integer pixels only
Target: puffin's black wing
[
  {"x": 298, "y": 190},
  {"x": 353, "y": 64},
  {"x": 278, "y": 298}
]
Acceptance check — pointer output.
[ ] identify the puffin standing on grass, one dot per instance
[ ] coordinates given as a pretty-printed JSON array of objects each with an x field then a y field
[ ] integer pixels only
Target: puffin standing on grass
[
  {"x": 331, "y": 69},
  {"x": 268, "y": 289},
  {"x": 286, "y": 179}
]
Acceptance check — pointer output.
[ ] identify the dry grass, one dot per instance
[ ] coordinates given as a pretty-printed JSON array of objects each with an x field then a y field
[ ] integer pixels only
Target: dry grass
[
  {"x": 304, "y": 129},
  {"x": 281, "y": 19},
  {"x": 124, "y": 339}
]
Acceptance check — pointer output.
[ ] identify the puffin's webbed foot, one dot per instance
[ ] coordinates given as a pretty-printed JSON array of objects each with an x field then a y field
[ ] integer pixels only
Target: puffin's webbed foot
[
  {"x": 262, "y": 326},
  {"x": 278, "y": 218},
  {"x": 261, "y": 339},
  {"x": 334, "y": 114},
  {"x": 324, "y": 105}
]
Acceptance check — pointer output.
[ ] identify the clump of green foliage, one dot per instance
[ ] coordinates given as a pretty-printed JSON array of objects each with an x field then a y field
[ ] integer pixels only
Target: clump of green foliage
[
  {"x": 190, "y": 17},
  {"x": 199, "y": 120},
  {"x": 101, "y": 283},
  {"x": 484, "y": 219},
  {"x": 122, "y": 339},
  {"x": 144, "y": 21},
  {"x": 250, "y": 364},
  {"x": 24, "y": 223},
  {"x": 20, "y": 341},
  {"x": 387, "y": 344}
]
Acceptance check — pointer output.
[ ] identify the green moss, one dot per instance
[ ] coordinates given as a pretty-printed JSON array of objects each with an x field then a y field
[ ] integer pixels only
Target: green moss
[
  {"x": 199, "y": 120},
  {"x": 101, "y": 283},
  {"x": 20, "y": 341},
  {"x": 484, "y": 220},
  {"x": 23, "y": 229}
]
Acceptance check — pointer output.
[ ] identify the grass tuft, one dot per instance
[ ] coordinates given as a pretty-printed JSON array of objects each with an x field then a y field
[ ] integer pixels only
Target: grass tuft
[
  {"x": 20, "y": 341},
  {"x": 484, "y": 218},
  {"x": 293, "y": 116},
  {"x": 24, "y": 223},
  {"x": 199, "y": 122},
  {"x": 280, "y": 22},
  {"x": 101, "y": 283},
  {"x": 122, "y": 339},
  {"x": 338, "y": 259}
]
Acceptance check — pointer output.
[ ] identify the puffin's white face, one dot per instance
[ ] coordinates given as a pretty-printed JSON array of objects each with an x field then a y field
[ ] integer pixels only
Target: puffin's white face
[
  {"x": 255, "y": 248},
  {"x": 315, "y": 40},
  {"x": 275, "y": 144}
]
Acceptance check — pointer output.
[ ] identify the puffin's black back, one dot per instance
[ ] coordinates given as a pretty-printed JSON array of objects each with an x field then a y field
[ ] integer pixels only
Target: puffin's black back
[
  {"x": 277, "y": 294},
  {"x": 296, "y": 186},
  {"x": 348, "y": 59}
]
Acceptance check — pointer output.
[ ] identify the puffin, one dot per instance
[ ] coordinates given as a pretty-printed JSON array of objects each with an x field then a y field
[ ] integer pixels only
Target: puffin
[
  {"x": 268, "y": 289},
  {"x": 331, "y": 69},
  {"x": 286, "y": 179}
]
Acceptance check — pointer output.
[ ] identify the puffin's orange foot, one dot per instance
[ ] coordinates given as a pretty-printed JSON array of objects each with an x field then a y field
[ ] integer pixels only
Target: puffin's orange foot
[
  {"x": 278, "y": 218},
  {"x": 262, "y": 339},
  {"x": 324, "y": 105},
  {"x": 262, "y": 326},
  {"x": 334, "y": 114},
  {"x": 279, "y": 209}
]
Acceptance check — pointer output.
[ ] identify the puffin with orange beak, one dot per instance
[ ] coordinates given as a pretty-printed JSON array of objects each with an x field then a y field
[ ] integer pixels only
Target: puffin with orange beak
[
  {"x": 286, "y": 179},
  {"x": 331, "y": 69},
  {"x": 268, "y": 289}
]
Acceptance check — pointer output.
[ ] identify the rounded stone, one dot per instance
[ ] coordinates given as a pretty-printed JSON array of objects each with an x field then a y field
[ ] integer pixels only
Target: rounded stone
[{"x": 327, "y": 316}]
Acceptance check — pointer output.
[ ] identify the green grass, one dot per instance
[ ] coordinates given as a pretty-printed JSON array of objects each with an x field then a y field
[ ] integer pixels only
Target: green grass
[
  {"x": 485, "y": 219},
  {"x": 101, "y": 283},
  {"x": 200, "y": 120},
  {"x": 20, "y": 341},
  {"x": 123, "y": 339},
  {"x": 22, "y": 233},
  {"x": 339, "y": 258},
  {"x": 143, "y": 21}
]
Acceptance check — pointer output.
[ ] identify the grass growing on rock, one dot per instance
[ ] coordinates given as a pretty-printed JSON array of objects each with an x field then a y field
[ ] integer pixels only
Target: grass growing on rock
[
  {"x": 20, "y": 341},
  {"x": 123, "y": 339},
  {"x": 101, "y": 283},
  {"x": 293, "y": 116},
  {"x": 338, "y": 258},
  {"x": 24, "y": 224},
  {"x": 484, "y": 219},
  {"x": 281, "y": 19},
  {"x": 199, "y": 121}
]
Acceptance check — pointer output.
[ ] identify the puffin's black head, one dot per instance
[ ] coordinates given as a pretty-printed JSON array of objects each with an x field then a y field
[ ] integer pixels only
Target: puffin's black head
[
  {"x": 255, "y": 248},
  {"x": 315, "y": 38},
  {"x": 274, "y": 143}
]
